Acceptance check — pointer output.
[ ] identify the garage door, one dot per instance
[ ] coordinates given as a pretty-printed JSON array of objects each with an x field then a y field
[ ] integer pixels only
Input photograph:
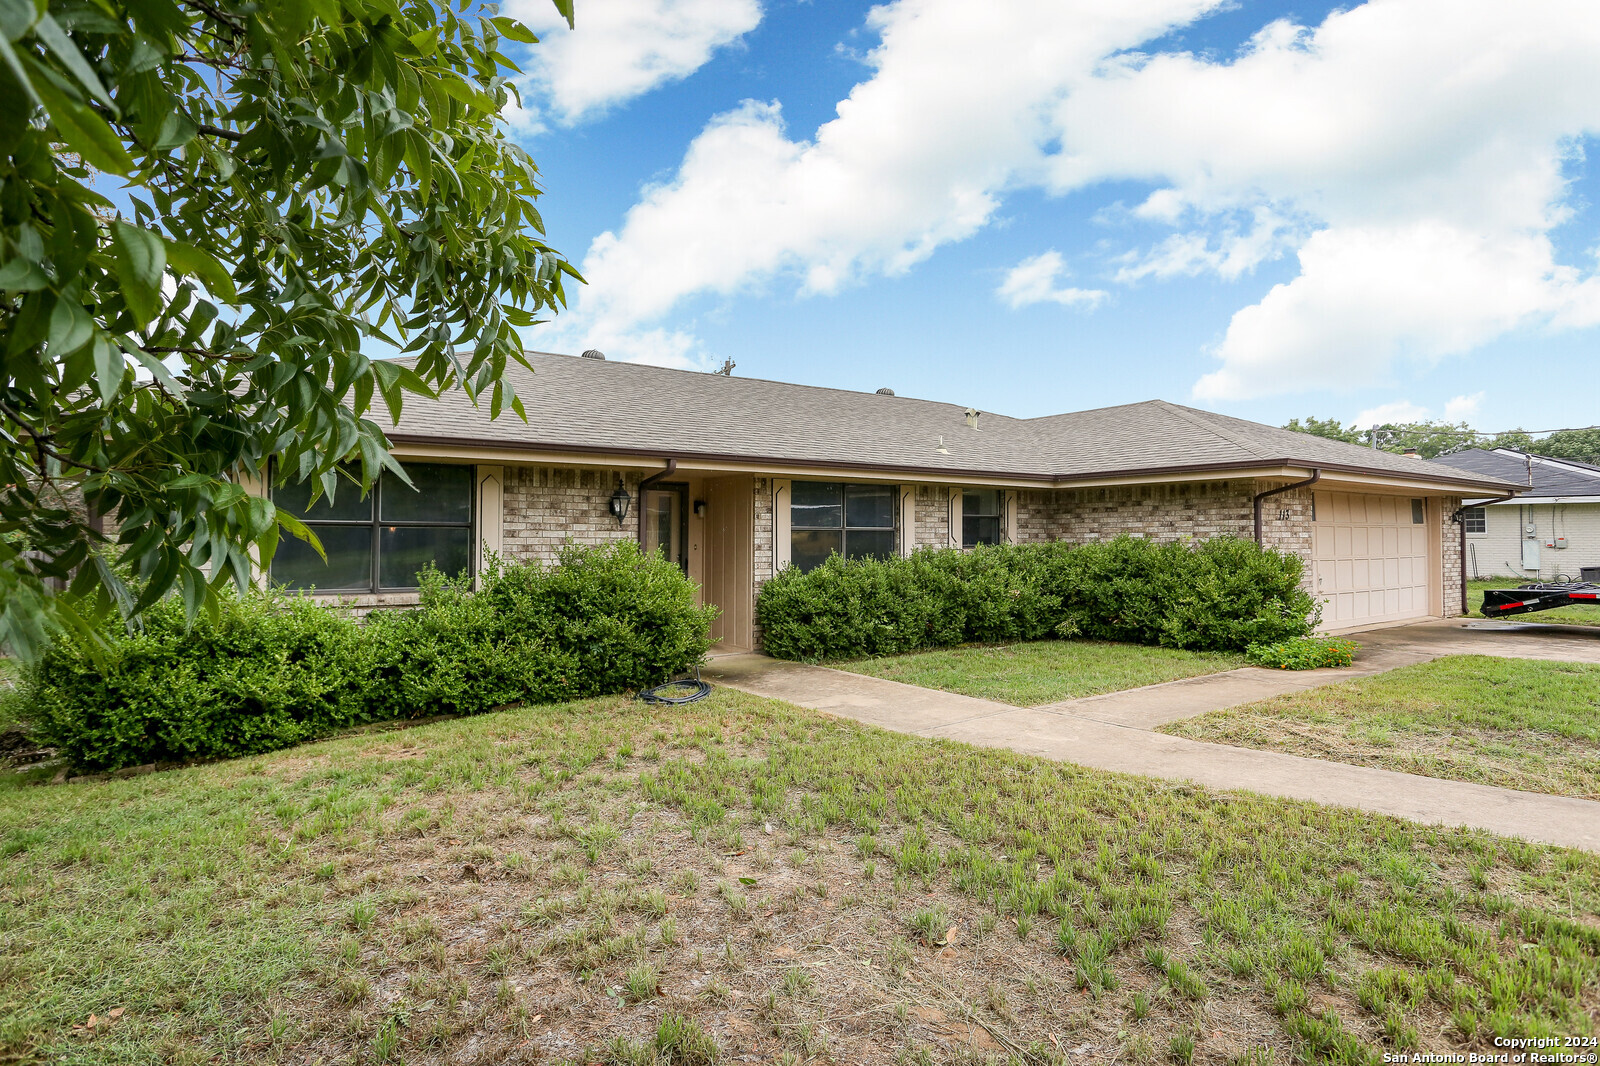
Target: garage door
[{"x": 1371, "y": 558}]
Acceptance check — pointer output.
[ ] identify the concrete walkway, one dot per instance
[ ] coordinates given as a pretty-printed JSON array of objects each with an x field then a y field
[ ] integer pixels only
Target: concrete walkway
[{"x": 1113, "y": 732}]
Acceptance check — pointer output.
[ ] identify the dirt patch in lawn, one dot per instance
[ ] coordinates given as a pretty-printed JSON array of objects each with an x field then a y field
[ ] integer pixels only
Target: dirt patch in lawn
[{"x": 745, "y": 880}]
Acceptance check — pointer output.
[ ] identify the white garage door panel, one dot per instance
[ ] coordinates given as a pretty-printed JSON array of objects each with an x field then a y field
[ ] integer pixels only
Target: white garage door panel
[{"x": 1371, "y": 560}]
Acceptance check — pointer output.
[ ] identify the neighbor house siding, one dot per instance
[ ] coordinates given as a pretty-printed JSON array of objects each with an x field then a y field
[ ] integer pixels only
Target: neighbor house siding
[
  {"x": 1498, "y": 553},
  {"x": 545, "y": 507}
]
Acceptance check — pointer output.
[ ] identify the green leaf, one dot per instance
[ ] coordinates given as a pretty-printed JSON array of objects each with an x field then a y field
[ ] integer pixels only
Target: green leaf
[
  {"x": 56, "y": 39},
  {"x": 199, "y": 263},
  {"x": 70, "y": 328},
  {"x": 19, "y": 275},
  {"x": 14, "y": 64},
  {"x": 17, "y": 18},
  {"x": 565, "y": 9},
  {"x": 83, "y": 131},
  {"x": 109, "y": 368},
  {"x": 513, "y": 30},
  {"x": 141, "y": 261}
]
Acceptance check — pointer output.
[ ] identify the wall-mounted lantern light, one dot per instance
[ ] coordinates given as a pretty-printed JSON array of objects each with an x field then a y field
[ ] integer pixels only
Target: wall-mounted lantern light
[{"x": 619, "y": 503}]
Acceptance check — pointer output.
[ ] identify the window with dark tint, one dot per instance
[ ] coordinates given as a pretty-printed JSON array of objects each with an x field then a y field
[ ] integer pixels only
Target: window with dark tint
[
  {"x": 1475, "y": 519},
  {"x": 826, "y": 517},
  {"x": 980, "y": 517},
  {"x": 1417, "y": 513},
  {"x": 383, "y": 541}
]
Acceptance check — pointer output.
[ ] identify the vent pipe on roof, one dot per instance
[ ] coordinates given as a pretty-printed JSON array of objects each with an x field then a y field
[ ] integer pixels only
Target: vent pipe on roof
[{"x": 595, "y": 353}]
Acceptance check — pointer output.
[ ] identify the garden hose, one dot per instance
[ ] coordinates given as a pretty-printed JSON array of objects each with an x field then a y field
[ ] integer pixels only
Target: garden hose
[{"x": 685, "y": 690}]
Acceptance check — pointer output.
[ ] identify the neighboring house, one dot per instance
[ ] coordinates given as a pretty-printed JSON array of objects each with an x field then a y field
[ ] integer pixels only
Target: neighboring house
[
  {"x": 1550, "y": 532},
  {"x": 735, "y": 478}
]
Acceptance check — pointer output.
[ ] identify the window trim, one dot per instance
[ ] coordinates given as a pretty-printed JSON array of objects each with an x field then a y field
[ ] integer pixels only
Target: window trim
[
  {"x": 999, "y": 515},
  {"x": 374, "y": 585},
  {"x": 1482, "y": 516},
  {"x": 844, "y": 527}
]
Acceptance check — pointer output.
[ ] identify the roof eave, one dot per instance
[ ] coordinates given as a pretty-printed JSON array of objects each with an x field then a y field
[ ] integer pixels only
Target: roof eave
[{"x": 1044, "y": 480}]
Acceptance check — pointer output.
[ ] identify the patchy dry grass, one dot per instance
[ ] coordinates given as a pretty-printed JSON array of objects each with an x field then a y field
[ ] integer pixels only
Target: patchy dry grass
[
  {"x": 1031, "y": 673},
  {"x": 1567, "y": 616},
  {"x": 1512, "y": 723},
  {"x": 606, "y": 882}
]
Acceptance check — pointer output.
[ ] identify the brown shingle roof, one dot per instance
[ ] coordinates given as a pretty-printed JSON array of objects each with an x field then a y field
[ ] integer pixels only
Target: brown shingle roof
[{"x": 593, "y": 405}]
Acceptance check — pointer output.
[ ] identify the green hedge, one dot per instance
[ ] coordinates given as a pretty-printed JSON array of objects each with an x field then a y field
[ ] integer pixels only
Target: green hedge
[
  {"x": 1220, "y": 594},
  {"x": 273, "y": 669}
]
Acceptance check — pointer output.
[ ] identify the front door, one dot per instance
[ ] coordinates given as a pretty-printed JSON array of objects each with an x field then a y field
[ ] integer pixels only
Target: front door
[{"x": 664, "y": 523}]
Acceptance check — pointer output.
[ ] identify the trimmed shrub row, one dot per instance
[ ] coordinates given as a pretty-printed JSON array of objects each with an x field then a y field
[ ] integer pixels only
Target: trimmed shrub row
[
  {"x": 272, "y": 670},
  {"x": 1220, "y": 594}
]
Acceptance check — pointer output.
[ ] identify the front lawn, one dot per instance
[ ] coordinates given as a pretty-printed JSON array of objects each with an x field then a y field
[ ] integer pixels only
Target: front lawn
[
  {"x": 1570, "y": 616},
  {"x": 1513, "y": 723},
  {"x": 608, "y": 882},
  {"x": 1043, "y": 671}
]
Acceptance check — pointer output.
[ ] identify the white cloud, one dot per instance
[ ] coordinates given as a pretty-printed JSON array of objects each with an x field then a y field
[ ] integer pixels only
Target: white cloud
[
  {"x": 1463, "y": 408},
  {"x": 1033, "y": 281},
  {"x": 1424, "y": 138},
  {"x": 1399, "y": 411},
  {"x": 955, "y": 111},
  {"x": 620, "y": 49},
  {"x": 1410, "y": 154}
]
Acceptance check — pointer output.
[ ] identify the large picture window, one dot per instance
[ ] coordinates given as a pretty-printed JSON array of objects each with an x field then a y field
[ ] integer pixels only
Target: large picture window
[
  {"x": 856, "y": 521},
  {"x": 980, "y": 517},
  {"x": 380, "y": 543}
]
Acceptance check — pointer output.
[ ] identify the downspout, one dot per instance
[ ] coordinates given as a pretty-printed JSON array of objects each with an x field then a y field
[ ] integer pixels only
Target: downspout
[
  {"x": 672, "y": 465},
  {"x": 1316, "y": 476},
  {"x": 1461, "y": 527}
]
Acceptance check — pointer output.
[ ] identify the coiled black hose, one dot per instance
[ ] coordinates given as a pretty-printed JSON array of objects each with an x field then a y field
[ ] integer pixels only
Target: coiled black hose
[{"x": 688, "y": 690}]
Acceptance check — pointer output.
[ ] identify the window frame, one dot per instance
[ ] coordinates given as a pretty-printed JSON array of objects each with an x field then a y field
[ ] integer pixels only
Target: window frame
[
  {"x": 844, "y": 527},
  {"x": 375, "y": 520},
  {"x": 1482, "y": 517},
  {"x": 999, "y": 516}
]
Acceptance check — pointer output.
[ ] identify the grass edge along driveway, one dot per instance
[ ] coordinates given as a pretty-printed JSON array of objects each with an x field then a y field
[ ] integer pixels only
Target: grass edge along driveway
[
  {"x": 1567, "y": 616},
  {"x": 1512, "y": 723},
  {"x": 1033, "y": 673},
  {"x": 604, "y": 881}
]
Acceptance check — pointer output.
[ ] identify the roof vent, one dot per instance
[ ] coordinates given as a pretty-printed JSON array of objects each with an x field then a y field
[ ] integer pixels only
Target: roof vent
[
  {"x": 1411, "y": 453},
  {"x": 972, "y": 417},
  {"x": 595, "y": 353},
  {"x": 885, "y": 392}
]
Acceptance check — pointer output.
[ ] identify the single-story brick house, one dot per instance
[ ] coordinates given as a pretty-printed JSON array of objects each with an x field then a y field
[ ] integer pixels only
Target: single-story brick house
[
  {"x": 736, "y": 478},
  {"x": 1550, "y": 532}
]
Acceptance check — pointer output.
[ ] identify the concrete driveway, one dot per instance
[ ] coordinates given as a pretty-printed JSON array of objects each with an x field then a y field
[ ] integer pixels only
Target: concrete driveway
[{"x": 1114, "y": 731}]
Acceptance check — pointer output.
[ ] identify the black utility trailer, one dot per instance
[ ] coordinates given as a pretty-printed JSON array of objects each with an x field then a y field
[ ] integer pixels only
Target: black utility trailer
[{"x": 1502, "y": 603}]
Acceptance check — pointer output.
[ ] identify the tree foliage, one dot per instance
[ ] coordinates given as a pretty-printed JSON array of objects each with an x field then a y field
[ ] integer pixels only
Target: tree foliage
[
  {"x": 213, "y": 215},
  {"x": 1433, "y": 439}
]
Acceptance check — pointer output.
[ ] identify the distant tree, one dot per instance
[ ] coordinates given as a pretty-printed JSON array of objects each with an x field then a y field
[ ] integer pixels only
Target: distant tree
[
  {"x": 1429, "y": 439},
  {"x": 1580, "y": 444},
  {"x": 1518, "y": 439},
  {"x": 1327, "y": 427},
  {"x": 211, "y": 211}
]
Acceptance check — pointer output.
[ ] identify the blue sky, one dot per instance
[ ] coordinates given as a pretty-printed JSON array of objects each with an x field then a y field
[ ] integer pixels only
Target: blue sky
[{"x": 1380, "y": 210}]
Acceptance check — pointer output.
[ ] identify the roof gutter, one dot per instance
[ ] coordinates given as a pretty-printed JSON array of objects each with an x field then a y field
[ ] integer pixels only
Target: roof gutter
[
  {"x": 1316, "y": 476},
  {"x": 931, "y": 473},
  {"x": 672, "y": 465}
]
